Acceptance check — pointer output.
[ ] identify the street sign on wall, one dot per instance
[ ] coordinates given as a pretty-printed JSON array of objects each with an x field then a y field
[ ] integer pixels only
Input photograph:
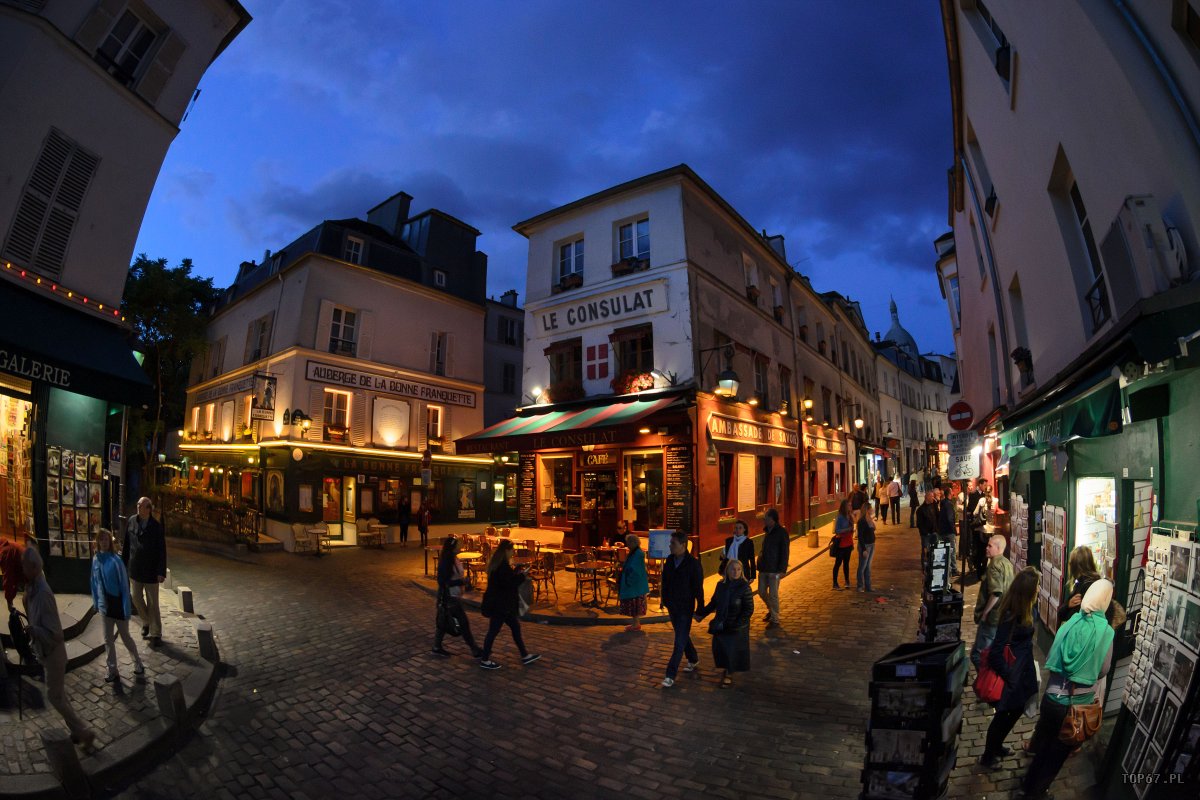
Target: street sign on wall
[
  {"x": 964, "y": 455},
  {"x": 961, "y": 415}
]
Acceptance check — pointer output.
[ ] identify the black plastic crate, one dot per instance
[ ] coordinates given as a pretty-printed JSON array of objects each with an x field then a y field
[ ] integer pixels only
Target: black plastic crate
[
  {"x": 889, "y": 784},
  {"x": 945, "y": 632},
  {"x": 919, "y": 661},
  {"x": 916, "y": 707},
  {"x": 906, "y": 748}
]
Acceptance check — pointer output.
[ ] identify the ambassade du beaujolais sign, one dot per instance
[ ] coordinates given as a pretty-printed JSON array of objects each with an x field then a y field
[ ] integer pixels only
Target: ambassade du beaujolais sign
[{"x": 386, "y": 384}]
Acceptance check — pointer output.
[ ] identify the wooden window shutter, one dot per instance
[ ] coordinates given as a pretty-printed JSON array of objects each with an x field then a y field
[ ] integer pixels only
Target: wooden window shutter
[
  {"x": 450, "y": 355},
  {"x": 239, "y": 414},
  {"x": 324, "y": 324},
  {"x": 366, "y": 321},
  {"x": 433, "y": 343},
  {"x": 422, "y": 428},
  {"x": 45, "y": 217},
  {"x": 93, "y": 30},
  {"x": 170, "y": 50},
  {"x": 248, "y": 352},
  {"x": 447, "y": 439},
  {"x": 358, "y": 419},
  {"x": 316, "y": 410}
]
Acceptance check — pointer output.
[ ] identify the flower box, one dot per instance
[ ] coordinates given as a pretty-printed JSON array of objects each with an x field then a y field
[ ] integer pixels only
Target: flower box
[
  {"x": 632, "y": 380},
  {"x": 571, "y": 281},
  {"x": 752, "y": 293}
]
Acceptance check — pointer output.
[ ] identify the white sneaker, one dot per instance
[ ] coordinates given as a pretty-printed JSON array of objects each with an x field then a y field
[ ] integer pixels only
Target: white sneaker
[
  {"x": 668, "y": 683},
  {"x": 691, "y": 666}
]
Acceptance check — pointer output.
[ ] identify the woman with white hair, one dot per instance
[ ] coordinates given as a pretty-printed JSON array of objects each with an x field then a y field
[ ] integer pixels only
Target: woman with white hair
[
  {"x": 44, "y": 624},
  {"x": 1077, "y": 664}
]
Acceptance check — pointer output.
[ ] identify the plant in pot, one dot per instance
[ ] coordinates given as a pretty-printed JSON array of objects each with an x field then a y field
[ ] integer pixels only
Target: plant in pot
[
  {"x": 632, "y": 380},
  {"x": 752, "y": 293},
  {"x": 572, "y": 280},
  {"x": 625, "y": 266},
  {"x": 565, "y": 390},
  {"x": 1024, "y": 361}
]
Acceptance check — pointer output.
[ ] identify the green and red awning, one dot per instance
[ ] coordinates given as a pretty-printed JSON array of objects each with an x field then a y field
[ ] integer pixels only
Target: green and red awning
[{"x": 594, "y": 424}]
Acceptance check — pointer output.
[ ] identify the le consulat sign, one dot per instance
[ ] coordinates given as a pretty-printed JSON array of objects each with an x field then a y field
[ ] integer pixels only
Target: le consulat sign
[{"x": 630, "y": 302}]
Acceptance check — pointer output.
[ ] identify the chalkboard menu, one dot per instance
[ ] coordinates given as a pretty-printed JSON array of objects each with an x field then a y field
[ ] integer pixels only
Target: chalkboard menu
[
  {"x": 574, "y": 507},
  {"x": 527, "y": 513},
  {"x": 679, "y": 486}
]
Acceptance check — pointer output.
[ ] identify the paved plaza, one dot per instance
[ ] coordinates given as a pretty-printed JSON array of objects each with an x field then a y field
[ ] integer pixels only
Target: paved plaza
[{"x": 331, "y": 690}]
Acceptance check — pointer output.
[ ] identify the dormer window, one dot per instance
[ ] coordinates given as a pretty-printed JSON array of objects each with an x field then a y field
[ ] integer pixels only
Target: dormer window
[{"x": 354, "y": 250}]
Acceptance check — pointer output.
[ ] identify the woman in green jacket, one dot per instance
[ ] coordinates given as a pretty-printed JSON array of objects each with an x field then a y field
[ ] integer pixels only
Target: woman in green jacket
[{"x": 633, "y": 584}]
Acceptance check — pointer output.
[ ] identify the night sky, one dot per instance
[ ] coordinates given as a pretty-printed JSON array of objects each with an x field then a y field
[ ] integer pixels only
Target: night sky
[{"x": 825, "y": 120}]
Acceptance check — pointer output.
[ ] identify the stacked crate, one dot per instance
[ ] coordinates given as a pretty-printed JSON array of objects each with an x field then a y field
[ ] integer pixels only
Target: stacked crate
[
  {"x": 916, "y": 715},
  {"x": 941, "y": 606}
]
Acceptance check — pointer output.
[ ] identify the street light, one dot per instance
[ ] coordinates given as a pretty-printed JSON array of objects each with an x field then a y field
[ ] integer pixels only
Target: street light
[
  {"x": 727, "y": 380},
  {"x": 297, "y": 418}
]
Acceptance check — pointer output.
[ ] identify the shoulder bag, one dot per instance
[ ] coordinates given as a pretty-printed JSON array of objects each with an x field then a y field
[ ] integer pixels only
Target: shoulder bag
[
  {"x": 447, "y": 620},
  {"x": 1082, "y": 721},
  {"x": 988, "y": 684}
]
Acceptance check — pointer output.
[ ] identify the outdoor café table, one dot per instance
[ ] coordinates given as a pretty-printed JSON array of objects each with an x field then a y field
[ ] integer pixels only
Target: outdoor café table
[
  {"x": 469, "y": 555},
  {"x": 436, "y": 549},
  {"x": 322, "y": 535},
  {"x": 587, "y": 574}
]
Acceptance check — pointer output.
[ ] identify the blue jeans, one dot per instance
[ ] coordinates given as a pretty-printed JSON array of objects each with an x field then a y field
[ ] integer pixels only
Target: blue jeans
[
  {"x": 681, "y": 622},
  {"x": 865, "y": 553},
  {"x": 985, "y": 635}
]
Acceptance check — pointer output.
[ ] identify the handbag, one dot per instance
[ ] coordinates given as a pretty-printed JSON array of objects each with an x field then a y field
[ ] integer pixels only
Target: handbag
[
  {"x": 988, "y": 684},
  {"x": 1082, "y": 722},
  {"x": 447, "y": 621}
]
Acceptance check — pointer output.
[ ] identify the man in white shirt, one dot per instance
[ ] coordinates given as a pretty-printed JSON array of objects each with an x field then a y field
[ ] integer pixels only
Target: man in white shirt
[{"x": 894, "y": 491}]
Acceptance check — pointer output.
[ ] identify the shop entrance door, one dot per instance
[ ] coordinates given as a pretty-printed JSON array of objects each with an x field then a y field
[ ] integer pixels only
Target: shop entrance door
[
  {"x": 16, "y": 470},
  {"x": 600, "y": 490}
]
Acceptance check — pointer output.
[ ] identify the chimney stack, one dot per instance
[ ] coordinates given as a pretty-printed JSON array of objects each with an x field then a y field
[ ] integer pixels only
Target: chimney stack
[
  {"x": 509, "y": 298},
  {"x": 392, "y": 213}
]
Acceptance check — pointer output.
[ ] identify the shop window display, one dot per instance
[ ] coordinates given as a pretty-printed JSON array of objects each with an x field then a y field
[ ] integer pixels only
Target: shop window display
[
  {"x": 1096, "y": 520},
  {"x": 16, "y": 489}
]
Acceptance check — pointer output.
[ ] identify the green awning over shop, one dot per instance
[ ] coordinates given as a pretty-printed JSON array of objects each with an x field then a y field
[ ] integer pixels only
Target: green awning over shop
[
  {"x": 43, "y": 340},
  {"x": 1092, "y": 410}
]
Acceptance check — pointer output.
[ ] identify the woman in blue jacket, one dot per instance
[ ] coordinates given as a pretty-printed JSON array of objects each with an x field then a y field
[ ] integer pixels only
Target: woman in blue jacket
[
  {"x": 634, "y": 583},
  {"x": 1020, "y": 677},
  {"x": 110, "y": 595}
]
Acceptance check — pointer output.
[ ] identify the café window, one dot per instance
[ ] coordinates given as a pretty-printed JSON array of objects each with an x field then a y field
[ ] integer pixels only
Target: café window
[
  {"x": 643, "y": 477},
  {"x": 195, "y": 419},
  {"x": 336, "y": 415},
  {"x": 725, "y": 471},
  {"x": 554, "y": 484},
  {"x": 210, "y": 413},
  {"x": 634, "y": 348}
]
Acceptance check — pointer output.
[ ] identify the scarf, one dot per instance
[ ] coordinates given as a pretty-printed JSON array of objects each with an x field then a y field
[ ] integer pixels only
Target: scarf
[{"x": 1082, "y": 644}]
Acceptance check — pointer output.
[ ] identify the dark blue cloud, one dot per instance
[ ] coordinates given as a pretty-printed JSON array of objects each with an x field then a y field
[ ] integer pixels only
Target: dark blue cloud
[{"x": 827, "y": 122}]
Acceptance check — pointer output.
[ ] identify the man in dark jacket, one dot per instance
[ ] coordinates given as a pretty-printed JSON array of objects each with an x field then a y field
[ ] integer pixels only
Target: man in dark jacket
[
  {"x": 772, "y": 564},
  {"x": 927, "y": 521},
  {"x": 682, "y": 596},
  {"x": 858, "y": 498},
  {"x": 948, "y": 525},
  {"x": 145, "y": 557}
]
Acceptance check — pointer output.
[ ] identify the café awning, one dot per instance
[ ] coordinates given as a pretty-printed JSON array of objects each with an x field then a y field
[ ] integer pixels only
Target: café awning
[
  {"x": 44, "y": 340},
  {"x": 593, "y": 424}
]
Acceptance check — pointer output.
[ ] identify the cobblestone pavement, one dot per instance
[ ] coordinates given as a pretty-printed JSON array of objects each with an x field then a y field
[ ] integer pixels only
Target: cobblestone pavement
[
  {"x": 110, "y": 710},
  {"x": 333, "y": 692}
]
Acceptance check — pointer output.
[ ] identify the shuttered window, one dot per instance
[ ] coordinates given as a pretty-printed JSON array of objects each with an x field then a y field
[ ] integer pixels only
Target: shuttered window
[{"x": 46, "y": 214}]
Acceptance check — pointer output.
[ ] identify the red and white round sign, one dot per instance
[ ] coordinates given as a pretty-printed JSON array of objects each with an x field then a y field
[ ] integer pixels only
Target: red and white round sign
[{"x": 961, "y": 416}]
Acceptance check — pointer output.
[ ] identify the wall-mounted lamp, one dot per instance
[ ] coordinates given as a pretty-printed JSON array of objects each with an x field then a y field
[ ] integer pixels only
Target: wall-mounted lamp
[
  {"x": 297, "y": 418},
  {"x": 727, "y": 380},
  {"x": 668, "y": 377},
  {"x": 808, "y": 403}
]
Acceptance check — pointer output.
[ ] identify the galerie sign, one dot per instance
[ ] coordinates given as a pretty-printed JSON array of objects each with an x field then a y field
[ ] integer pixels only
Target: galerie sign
[
  {"x": 34, "y": 369},
  {"x": 385, "y": 384},
  {"x": 631, "y": 302}
]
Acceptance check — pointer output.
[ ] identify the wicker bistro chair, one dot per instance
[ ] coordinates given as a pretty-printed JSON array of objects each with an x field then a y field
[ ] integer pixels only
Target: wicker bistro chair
[
  {"x": 542, "y": 575},
  {"x": 612, "y": 580},
  {"x": 477, "y": 569},
  {"x": 302, "y": 541}
]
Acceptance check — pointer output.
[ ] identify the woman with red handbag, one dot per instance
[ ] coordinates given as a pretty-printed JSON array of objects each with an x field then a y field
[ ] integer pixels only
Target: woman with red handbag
[
  {"x": 1077, "y": 664},
  {"x": 1013, "y": 636}
]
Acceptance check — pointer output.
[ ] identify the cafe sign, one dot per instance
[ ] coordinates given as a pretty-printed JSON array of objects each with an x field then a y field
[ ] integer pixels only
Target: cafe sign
[
  {"x": 604, "y": 459},
  {"x": 632, "y": 302},
  {"x": 732, "y": 429},
  {"x": 386, "y": 384}
]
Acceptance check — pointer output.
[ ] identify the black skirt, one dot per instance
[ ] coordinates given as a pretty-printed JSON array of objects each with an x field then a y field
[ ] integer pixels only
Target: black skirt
[{"x": 731, "y": 651}]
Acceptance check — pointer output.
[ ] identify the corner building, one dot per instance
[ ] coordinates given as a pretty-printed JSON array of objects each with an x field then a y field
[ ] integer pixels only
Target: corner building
[{"x": 659, "y": 382}]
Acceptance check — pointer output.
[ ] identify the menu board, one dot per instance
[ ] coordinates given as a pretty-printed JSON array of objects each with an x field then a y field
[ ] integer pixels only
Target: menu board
[
  {"x": 679, "y": 487},
  {"x": 527, "y": 512},
  {"x": 574, "y": 507}
]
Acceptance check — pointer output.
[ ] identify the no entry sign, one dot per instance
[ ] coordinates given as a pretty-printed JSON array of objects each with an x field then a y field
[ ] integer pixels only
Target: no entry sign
[{"x": 961, "y": 416}]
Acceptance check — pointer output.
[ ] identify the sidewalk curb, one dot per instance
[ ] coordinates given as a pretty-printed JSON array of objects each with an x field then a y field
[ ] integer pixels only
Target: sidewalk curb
[{"x": 545, "y": 619}]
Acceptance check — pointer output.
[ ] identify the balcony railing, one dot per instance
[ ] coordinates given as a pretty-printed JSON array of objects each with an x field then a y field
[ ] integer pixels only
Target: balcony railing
[
  {"x": 342, "y": 347},
  {"x": 1097, "y": 300}
]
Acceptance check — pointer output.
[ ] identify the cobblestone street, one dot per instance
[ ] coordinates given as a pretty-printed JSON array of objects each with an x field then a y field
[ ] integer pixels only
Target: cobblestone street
[{"x": 332, "y": 691}]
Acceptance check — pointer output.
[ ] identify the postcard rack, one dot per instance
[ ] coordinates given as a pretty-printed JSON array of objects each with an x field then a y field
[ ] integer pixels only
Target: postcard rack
[
  {"x": 941, "y": 617},
  {"x": 916, "y": 716}
]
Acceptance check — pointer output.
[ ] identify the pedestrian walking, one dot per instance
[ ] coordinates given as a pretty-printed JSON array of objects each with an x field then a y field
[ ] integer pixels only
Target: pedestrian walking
[
  {"x": 683, "y": 596},
  {"x": 404, "y": 521},
  {"x": 894, "y": 492},
  {"x": 739, "y": 547},
  {"x": 633, "y": 584},
  {"x": 772, "y": 564},
  {"x": 733, "y": 604},
  {"x": 1020, "y": 677},
  {"x": 10, "y": 568},
  {"x": 881, "y": 492},
  {"x": 1076, "y": 668},
  {"x": 975, "y": 549},
  {"x": 996, "y": 580},
  {"x": 842, "y": 543},
  {"x": 145, "y": 555},
  {"x": 866, "y": 550},
  {"x": 451, "y": 617},
  {"x": 500, "y": 604},
  {"x": 44, "y": 624},
  {"x": 912, "y": 504},
  {"x": 424, "y": 517},
  {"x": 111, "y": 597},
  {"x": 948, "y": 526}
]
